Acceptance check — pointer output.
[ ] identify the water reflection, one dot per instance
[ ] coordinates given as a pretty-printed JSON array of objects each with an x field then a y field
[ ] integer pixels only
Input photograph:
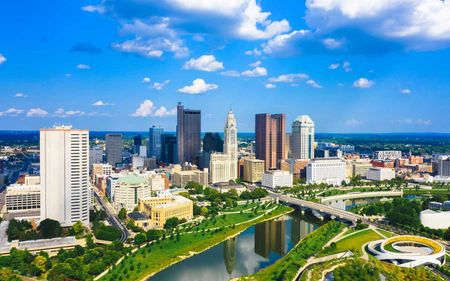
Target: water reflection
[{"x": 255, "y": 248}]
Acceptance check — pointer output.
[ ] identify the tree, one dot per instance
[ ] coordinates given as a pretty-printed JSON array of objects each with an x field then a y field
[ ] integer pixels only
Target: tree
[
  {"x": 8, "y": 275},
  {"x": 78, "y": 228},
  {"x": 204, "y": 211},
  {"x": 171, "y": 223},
  {"x": 140, "y": 239},
  {"x": 50, "y": 228},
  {"x": 154, "y": 234},
  {"x": 61, "y": 271},
  {"x": 40, "y": 262},
  {"x": 122, "y": 214}
]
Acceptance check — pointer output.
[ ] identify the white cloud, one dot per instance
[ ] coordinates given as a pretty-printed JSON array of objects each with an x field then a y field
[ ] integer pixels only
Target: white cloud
[
  {"x": 334, "y": 66},
  {"x": 346, "y": 66},
  {"x": 101, "y": 103},
  {"x": 255, "y": 72},
  {"x": 419, "y": 24},
  {"x": 270, "y": 86},
  {"x": 21, "y": 95},
  {"x": 353, "y": 122},
  {"x": 2, "y": 59},
  {"x": 288, "y": 78},
  {"x": 152, "y": 39},
  {"x": 255, "y": 52},
  {"x": 284, "y": 44},
  {"x": 11, "y": 112},
  {"x": 83, "y": 66},
  {"x": 93, "y": 9},
  {"x": 144, "y": 109},
  {"x": 37, "y": 112},
  {"x": 313, "y": 84},
  {"x": 331, "y": 43},
  {"x": 206, "y": 63},
  {"x": 162, "y": 111},
  {"x": 231, "y": 73},
  {"x": 363, "y": 83},
  {"x": 147, "y": 108},
  {"x": 420, "y": 122},
  {"x": 256, "y": 64},
  {"x": 405, "y": 91},
  {"x": 160, "y": 85},
  {"x": 146, "y": 80},
  {"x": 198, "y": 86},
  {"x": 62, "y": 113}
]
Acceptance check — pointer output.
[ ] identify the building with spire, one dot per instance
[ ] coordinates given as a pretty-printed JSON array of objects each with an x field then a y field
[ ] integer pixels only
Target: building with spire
[
  {"x": 223, "y": 166},
  {"x": 303, "y": 138}
]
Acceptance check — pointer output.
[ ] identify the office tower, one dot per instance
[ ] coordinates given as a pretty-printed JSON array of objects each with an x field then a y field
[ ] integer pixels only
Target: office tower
[
  {"x": 328, "y": 171},
  {"x": 154, "y": 142},
  {"x": 168, "y": 148},
  {"x": 188, "y": 134},
  {"x": 95, "y": 156},
  {"x": 137, "y": 142},
  {"x": 212, "y": 142},
  {"x": 114, "y": 149},
  {"x": 223, "y": 166},
  {"x": 65, "y": 194},
  {"x": 270, "y": 138},
  {"x": 303, "y": 138},
  {"x": 253, "y": 170}
]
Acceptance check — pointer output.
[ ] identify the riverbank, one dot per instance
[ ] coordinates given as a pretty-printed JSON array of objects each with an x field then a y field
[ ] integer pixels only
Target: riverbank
[
  {"x": 153, "y": 258},
  {"x": 287, "y": 267}
]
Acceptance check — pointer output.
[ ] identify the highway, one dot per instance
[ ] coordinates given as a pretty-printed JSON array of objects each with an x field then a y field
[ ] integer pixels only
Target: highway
[{"x": 112, "y": 218}]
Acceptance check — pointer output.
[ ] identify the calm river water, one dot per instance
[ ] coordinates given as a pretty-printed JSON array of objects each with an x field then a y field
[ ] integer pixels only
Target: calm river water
[{"x": 255, "y": 248}]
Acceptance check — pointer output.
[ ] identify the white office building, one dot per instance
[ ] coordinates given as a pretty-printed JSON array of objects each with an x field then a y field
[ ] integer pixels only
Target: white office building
[
  {"x": 223, "y": 166},
  {"x": 380, "y": 174},
  {"x": 65, "y": 194},
  {"x": 23, "y": 198},
  {"x": 277, "y": 178},
  {"x": 125, "y": 189},
  {"x": 137, "y": 162},
  {"x": 387, "y": 154},
  {"x": 326, "y": 170},
  {"x": 303, "y": 138}
]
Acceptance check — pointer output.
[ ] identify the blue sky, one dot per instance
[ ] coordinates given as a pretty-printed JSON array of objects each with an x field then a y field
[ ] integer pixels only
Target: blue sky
[{"x": 353, "y": 66}]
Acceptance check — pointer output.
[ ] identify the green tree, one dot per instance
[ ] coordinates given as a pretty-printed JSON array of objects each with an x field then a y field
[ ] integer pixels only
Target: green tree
[
  {"x": 60, "y": 272},
  {"x": 78, "y": 228},
  {"x": 140, "y": 239},
  {"x": 50, "y": 228},
  {"x": 122, "y": 214},
  {"x": 204, "y": 211},
  {"x": 171, "y": 223}
]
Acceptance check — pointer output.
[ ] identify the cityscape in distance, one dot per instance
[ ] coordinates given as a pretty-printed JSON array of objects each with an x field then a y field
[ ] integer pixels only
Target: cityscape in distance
[{"x": 222, "y": 140}]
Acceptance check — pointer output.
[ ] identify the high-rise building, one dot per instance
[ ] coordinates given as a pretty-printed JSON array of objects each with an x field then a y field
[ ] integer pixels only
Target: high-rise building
[
  {"x": 114, "y": 147},
  {"x": 270, "y": 138},
  {"x": 223, "y": 166},
  {"x": 154, "y": 142},
  {"x": 137, "y": 142},
  {"x": 168, "y": 148},
  {"x": 188, "y": 134},
  {"x": 212, "y": 142},
  {"x": 95, "y": 156},
  {"x": 323, "y": 170},
  {"x": 253, "y": 170},
  {"x": 65, "y": 194},
  {"x": 303, "y": 138}
]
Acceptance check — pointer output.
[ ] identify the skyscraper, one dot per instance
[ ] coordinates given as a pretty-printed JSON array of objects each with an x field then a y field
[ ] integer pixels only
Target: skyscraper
[
  {"x": 303, "y": 138},
  {"x": 168, "y": 148},
  {"x": 154, "y": 142},
  {"x": 212, "y": 142},
  {"x": 188, "y": 134},
  {"x": 114, "y": 147},
  {"x": 64, "y": 157},
  {"x": 137, "y": 142},
  {"x": 270, "y": 138},
  {"x": 223, "y": 166}
]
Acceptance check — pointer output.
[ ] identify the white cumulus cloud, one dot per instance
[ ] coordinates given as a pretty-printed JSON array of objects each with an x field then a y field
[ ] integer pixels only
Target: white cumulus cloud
[
  {"x": 2, "y": 59},
  {"x": 144, "y": 109},
  {"x": 83, "y": 66},
  {"x": 163, "y": 111},
  {"x": 230, "y": 73},
  {"x": 21, "y": 95},
  {"x": 37, "y": 112},
  {"x": 313, "y": 84},
  {"x": 270, "y": 86},
  {"x": 11, "y": 112},
  {"x": 405, "y": 91},
  {"x": 146, "y": 80},
  {"x": 101, "y": 103},
  {"x": 198, "y": 86},
  {"x": 288, "y": 78},
  {"x": 160, "y": 85},
  {"x": 206, "y": 63},
  {"x": 363, "y": 83},
  {"x": 255, "y": 72}
]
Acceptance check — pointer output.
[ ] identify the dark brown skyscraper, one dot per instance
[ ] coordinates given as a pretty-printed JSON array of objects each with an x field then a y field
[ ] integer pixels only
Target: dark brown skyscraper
[
  {"x": 188, "y": 134},
  {"x": 270, "y": 138}
]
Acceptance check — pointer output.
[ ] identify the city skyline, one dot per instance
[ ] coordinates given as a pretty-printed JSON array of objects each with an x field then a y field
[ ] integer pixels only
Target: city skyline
[{"x": 103, "y": 65}]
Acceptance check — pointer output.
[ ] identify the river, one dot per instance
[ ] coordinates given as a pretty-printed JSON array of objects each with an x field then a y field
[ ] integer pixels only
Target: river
[{"x": 257, "y": 247}]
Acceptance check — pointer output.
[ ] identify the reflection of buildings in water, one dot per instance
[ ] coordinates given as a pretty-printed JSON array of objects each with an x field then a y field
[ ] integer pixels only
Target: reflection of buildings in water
[
  {"x": 270, "y": 237},
  {"x": 299, "y": 229},
  {"x": 229, "y": 254}
]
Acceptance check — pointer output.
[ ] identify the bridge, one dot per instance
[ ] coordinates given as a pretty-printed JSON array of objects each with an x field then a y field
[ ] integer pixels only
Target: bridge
[
  {"x": 318, "y": 207},
  {"x": 361, "y": 195}
]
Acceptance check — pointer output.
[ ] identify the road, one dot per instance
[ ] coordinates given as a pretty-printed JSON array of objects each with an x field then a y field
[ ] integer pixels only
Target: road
[
  {"x": 112, "y": 218},
  {"x": 317, "y": 206}
]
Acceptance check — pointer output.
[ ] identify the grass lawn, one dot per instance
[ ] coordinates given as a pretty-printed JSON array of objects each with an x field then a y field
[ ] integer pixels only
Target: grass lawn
[
  {"x": 353, "y": 243},
  {"x": 242, "y": 207},
  {"x": 386, "y": 233},
  {"x": 154, "y": 258}
]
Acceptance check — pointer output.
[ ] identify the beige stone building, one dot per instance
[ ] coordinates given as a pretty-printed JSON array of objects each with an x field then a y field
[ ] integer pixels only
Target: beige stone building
[
  {"x": 163, "y": 207},
  {"x": 253, "y": 170},
  {"x": 181, "y": 178}
]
